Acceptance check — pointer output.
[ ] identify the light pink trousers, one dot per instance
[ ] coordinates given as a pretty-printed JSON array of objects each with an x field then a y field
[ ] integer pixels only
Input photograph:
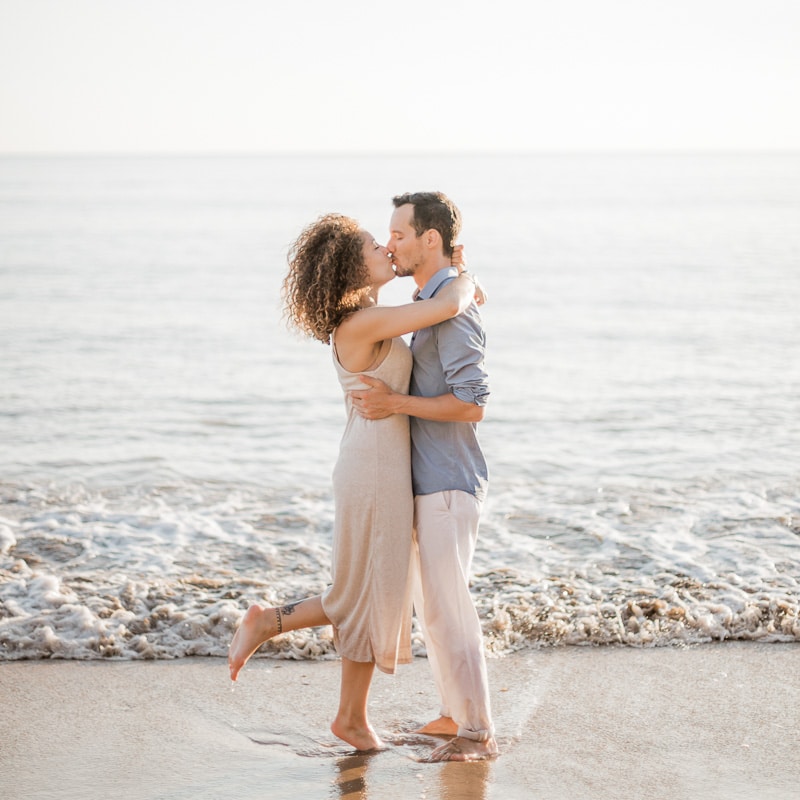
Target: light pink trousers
[{"x": 446, "y": 529}]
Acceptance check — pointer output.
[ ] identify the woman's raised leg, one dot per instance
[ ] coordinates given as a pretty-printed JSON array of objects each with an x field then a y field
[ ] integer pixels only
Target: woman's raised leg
[{"x": 260, "y": 624}]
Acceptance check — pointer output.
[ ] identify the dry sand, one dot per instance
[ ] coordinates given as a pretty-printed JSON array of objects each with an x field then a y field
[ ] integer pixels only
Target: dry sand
[{"x": 715, "y": 721}]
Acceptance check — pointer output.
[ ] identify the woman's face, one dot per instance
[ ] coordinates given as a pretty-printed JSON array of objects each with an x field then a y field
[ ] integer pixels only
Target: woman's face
[{"x": 378, "y": 261}]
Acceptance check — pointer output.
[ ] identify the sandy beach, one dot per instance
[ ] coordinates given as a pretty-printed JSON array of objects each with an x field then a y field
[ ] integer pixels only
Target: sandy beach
[{"x": 713, "y": 721}]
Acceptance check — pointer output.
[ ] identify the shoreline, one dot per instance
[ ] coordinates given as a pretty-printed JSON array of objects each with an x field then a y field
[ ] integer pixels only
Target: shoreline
[{"x": 708, "y": 721}]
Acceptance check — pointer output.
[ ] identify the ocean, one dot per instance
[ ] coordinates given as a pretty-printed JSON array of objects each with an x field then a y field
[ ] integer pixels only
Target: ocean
[{"x": 166, "y": 444}]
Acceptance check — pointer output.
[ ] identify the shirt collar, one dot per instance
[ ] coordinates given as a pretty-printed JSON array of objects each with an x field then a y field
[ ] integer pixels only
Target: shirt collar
[{"x": 435, "y": 282}]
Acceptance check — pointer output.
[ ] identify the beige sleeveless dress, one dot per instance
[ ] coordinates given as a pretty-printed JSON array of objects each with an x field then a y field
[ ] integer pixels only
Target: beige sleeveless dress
[{"x": 369, "y": 602}]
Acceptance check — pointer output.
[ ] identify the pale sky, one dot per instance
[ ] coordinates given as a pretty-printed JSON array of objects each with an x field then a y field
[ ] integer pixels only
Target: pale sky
[{"x": 196, "y": 76}]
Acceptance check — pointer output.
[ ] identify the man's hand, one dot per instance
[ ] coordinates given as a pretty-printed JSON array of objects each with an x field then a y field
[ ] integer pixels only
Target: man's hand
[{"x": 377, "y": 402}]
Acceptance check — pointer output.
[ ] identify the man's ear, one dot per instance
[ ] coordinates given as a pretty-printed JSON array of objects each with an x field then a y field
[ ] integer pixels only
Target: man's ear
[{"x": 433, "y": 239}]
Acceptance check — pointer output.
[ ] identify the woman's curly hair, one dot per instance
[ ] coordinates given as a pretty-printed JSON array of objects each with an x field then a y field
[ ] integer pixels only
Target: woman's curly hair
[{"x": 327, "y": 276}]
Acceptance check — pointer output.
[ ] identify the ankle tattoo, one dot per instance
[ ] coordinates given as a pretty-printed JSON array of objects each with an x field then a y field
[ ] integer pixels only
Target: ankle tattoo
[{"x": 284, "y": 611}]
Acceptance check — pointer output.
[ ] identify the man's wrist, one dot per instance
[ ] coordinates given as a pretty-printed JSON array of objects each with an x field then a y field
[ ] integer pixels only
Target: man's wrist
[{"x": 399, "y": 402}]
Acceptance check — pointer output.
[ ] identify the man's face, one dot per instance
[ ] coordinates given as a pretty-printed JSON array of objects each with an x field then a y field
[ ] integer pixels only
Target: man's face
[{"x": 404, "y": 244}]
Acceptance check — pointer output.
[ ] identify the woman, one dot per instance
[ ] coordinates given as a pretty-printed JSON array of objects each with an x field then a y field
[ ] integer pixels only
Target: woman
[{"x": 336, "y": 271}]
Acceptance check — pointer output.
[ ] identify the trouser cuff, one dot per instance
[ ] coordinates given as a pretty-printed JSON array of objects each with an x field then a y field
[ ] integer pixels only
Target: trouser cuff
[{"x": 476, "y": 736}]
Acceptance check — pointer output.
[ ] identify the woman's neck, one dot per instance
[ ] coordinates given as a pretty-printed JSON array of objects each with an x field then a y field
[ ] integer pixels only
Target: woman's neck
[{"x": 370, "y": 298}]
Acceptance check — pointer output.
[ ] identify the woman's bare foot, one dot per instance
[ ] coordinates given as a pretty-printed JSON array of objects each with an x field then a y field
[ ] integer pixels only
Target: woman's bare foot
[
  {"x": 444, "y": 726},
  {"x": 362, "y": 737},
  {"x": 257, "y": 626},
  {"x": 461, "y": 749}
]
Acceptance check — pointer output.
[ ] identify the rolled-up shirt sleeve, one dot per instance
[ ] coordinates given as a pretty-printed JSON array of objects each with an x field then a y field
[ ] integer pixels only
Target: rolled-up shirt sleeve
[{"x": 462, "y": 347}]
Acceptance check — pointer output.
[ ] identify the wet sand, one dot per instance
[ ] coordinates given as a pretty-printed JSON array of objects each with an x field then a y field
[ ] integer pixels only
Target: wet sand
[{"x": 715, "y": 721}]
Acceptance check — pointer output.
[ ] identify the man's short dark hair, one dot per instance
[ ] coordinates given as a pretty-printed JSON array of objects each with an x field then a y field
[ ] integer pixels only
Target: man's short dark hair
[{"x": 433, "y": 210}]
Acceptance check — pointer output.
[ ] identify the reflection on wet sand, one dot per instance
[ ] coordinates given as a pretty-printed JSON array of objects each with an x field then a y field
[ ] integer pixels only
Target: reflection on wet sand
[
  {"x": 464, "y": 781},
  {"x": 448, "y": 781},
  {"x": 351, "y": 782}
]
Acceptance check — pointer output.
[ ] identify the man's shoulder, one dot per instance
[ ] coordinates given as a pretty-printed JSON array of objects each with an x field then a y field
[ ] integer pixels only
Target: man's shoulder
[{"x": 436, "y": 284}]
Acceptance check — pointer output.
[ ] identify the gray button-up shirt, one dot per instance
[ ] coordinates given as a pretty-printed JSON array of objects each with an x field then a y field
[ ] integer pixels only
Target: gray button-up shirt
[{"x": 448, "y": 357}]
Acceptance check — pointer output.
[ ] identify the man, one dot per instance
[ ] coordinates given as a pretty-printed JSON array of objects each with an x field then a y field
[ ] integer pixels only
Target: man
[{"x": 446, "y": 399}]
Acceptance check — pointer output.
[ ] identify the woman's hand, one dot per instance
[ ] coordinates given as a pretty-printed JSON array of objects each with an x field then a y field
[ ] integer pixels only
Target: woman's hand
[
  {"x": 459, "y": 260},
  {"x": 480, "y": 293}
]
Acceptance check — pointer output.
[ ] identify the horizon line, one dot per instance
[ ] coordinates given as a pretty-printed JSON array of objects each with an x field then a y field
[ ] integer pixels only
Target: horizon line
[{"x": 540, "y": 152}]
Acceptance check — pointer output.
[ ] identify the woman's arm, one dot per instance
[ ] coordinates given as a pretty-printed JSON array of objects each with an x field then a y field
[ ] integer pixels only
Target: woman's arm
[{"x": 385, "y": 322}]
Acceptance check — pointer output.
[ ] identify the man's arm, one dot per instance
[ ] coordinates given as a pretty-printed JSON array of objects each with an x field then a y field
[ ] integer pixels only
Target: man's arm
[
  {"x": 461, "y": 344},
  {"x": 380, "y": 401}
]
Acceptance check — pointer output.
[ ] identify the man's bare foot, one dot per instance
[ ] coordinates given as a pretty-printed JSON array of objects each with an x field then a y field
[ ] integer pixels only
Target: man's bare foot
[
  {"x": 444, "y": 726},
  {"x": 362, "y": 737},
  {"x": 257, "y": 625},
  {"x": 461, "y": 749}
]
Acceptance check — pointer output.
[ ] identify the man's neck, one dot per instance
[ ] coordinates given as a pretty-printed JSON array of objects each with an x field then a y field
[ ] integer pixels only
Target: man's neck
[{"x": 426, "y": 271}]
